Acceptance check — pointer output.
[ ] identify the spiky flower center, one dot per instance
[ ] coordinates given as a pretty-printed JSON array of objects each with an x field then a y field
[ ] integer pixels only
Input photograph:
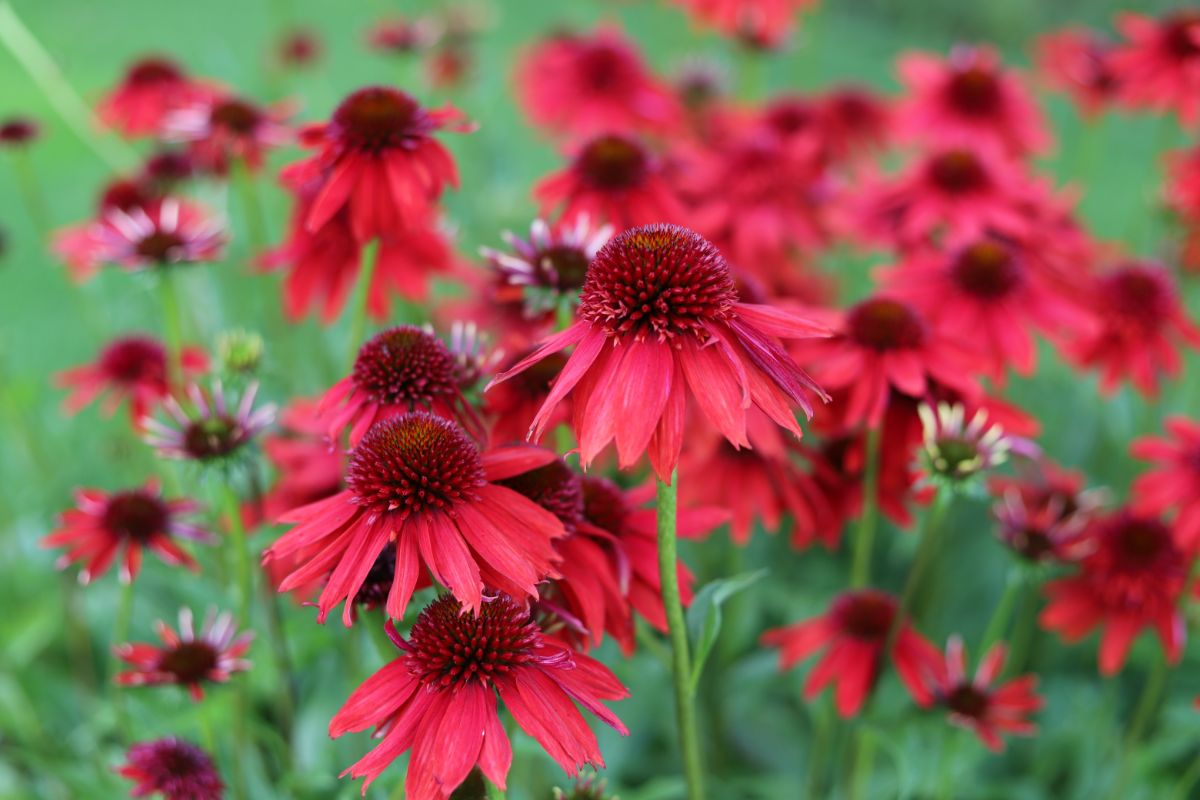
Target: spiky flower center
[
  {"x": 124, "y": 196},
  {"x": 167, "y": 167},
  {"x": 153, "y": 70},
  {"x": 555, "y": 487},
  {"x": 405, "y": 366},
  {"x": 189, "y": 662},
  {"x": 986, "y": 269},
  {"x": 212, "y": 437},
  {"x": 17, "y": 131},
  {"x": 955, "y": 456},
  {"x": 791, "y": 116},
  {"x": 135, "y": 515},
  {"x": 661, "y": 281},
  {"x": 236, "y": 116},
  {"x": 1182, "y": 35},
  {"x": 564, "y": 266},
  {"x": 968, "y": 700},
  {"x": 134, "y": 360},
  {"x": 176, "y": 768},
  {"x": 613, "y": 162},
  {"x": 378, "y": 118},
  {"x": 1140, "y": 542},
  {"x": 957, "y": 172},
  {"x": 161, "y": 247},
  {"x": 974, "y": 90},
  {"x": 604, "y": 504},
  {"x": 604, "y": 67},
  {"x": 375, "y": 588},
  {"x": 453, "y": 647},
  {"x": 414, "y": 463},
  {"x": 882, "y": 323},
  {"x": 1141, "y": 296},
  {"x": 865, "y": 615}
]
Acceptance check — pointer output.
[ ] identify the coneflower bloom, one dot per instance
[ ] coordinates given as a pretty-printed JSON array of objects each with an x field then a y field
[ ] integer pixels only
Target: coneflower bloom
[
  {"x": 1159, "y": 66},
  {"x": 1132, "y": 580},
  {"x": 212, "y": 429},
  {"x": 586, "y": 788},
  {"x": 163, "y": 172},
  {"x": 306, "y": 468},
  {"x": 18, "y": 132},
  {"x": 1045, "y": 516},
  {"x": 957, "y": 448},
  {"x": 151, "y": 88},
  {"x": 658, "y": 313},
  {"x": 968, "y": 96},
  {"x": 613, "y": 179},
  {"x": 854, "y": 633},
  {"x": 397, "y": 371},
  {"x": 974, "y": 703},
  {"x": 438, "y": 698},
  {"x": 510, "y": 405},
  {"x": 1173, "y": 484},
  {"x": 159, "y": 233},
  {"x": 173, "y": 768},
  {"x": 762, "y": 23},
  {"x": 855, "y": 120},
  {"x": 298, "y": 48},
  {"x": 399, "y": 36},
  {"x": 1142, "y": 324},
  {"x": 417, "y": 484},
  {"x": 1182, "y": 188},
  {"x": 377, "y": 159},
  {"x": 1079, "y": 61},
  {"x": 133, "y": 367},
  {"x": 223, "y": 130},
  {"x": 580, "y": 85},
  {"x": 103, "y": 524},
  {"x": 187, "y": 659}
]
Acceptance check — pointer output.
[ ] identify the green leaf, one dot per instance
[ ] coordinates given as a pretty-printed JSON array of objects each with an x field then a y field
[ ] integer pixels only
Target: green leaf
[{"x": 704, "y": 617}]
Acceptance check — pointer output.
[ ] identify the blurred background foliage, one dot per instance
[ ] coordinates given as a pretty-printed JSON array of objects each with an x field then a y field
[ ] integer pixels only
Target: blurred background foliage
[{"x": 59, "y": 733}]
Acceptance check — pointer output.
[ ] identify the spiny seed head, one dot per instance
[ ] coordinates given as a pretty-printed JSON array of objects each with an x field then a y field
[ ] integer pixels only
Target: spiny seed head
[
  {"x": 378, "y": 118},
  {"x": 967, "y": 700},
  {"x": 405, "y": 366},
  {"x": 189, "y": 661},
  {"x": 604, "y": 504},
  {"x": 661, "y": 281},
  {"x": 987, "y": 268},
  {"x": 413, "y": 463},
  {"x": 974, "y": 90},
  {"x": 957, "y": 171},
  {"x": 613, "y": 161},
  {"x": 866, "y": 614},
  {"x": 134, "y": 359},
  {"x": 555, "y": 487},
  {"x": 882, "y": 323},
  {"x": 135, "y": 515},
  {"x": 453, "y": 647}
]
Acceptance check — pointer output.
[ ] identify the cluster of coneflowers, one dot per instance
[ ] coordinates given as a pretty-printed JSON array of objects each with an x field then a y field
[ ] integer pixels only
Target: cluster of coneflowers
[{"x": 656, "y": 336}]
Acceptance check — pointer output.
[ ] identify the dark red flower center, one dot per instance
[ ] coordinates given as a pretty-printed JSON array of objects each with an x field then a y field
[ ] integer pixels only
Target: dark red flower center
[
  {"x": 135, "y": 515},
  {"x": 534, "y": 383},
  {"x": 453, "y": 647},
  {"x": 378, "y": 584},
  {"x": 974, "y": 91},
  {"x": 865, "y": 615},
  {"x": 1141, "y": 295},
  {"x": 1182, "y": 35},
  {"x": 986, "y": 269},
  {"x": 555, "y": 487},
  {"x": 968, "y": 700},
  {"x": 662, "y": 281},
  {"x": 168, "y": 167},
  {"x": 189, "y": 662},
  {"x": 1139, "y": 541},
  {"x": 405, "y": 366},
  {"x": 154, "y": 70},
  {"x": 378, "y": 118},
  {"x": 212, "y": 437},
  {"x": 604, "y": 68},
  {"x": 17, "y": 131},
  {"x": 604, "y": 504},
  {"x": 957, "y": 172},
  {"x": 160, "y": 246},
  {"x": 134, "y": 360},
  {"x": 566, "y": 266},
  {"x": 236, "y": 116},
  {"x": 413, "y": 463},
  {"x": 791, "y": 116},
  {"x": 176, "y": 768},
  {"x": 123, "y": 196},
  {"x": 882, "y": 323},
  {"x": 613, "y": 162}
]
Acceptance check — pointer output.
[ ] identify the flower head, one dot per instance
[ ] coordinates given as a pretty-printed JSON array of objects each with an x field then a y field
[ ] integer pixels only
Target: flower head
[
  {"x": 186, "y": 659},
  {"x": 159, "y": 233},
  {"x": 18, "y": 132},
  {"x": 1173, "y": 484},
  {"x": 174, "y": 768},
  {"x": 298, "y": 48},
  {"x": 1080, "y": 62},
  {"x": 307, "y": 469},
  {"x": 438, "y": 698},
  {"x": 102, "y": 525},
  {"x": 1159, "y": 66},
  {"x": 151, "y": 88},
  {"x": 957, "y": 449},
  {"x": 222, "y": 130},
  {"x": 212, "y": 429},
  {"x": 758, "y": 23},
  {"x": 1046, "y": 516}
]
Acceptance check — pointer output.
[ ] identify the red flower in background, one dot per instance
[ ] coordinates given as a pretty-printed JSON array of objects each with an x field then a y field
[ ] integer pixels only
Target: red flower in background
[
  {"x": 511, "y": 404},
  {"x": 855, "y": 120},
  {"x": 1045, "y": 516},
  {"x": 1173, "y": 484},
  {"x": 1142, "y": 325},
  {"x": 186, "y": 659},
  {"x": 417, "y": 484},
  {"x": 968, "y": 97},
  {"x": 854, "y": 633},
  {"x": 762, "y": 23},
  {"x": 221, "y": 130},
  {"x": 612, "y": 179},
  {"x": 307, "y": 468},
  {"x": 974, "y": 703},
  {"x": 1159, "y": 66},
  {"x": 103, "y": 524},
  {"x": 133, "y": 367},
  {"x": 150, "y": 89},
  {"x": 577, "y": 85},
  {"x": 18, "y": 132},
  {"x": 1183, "y": 184},
  {"x": 666, "y": 297},
  {"x": 438, "y": 698},
  {"x": 1080, "y": 62},
  {"x": 299, "y": 48},
  {"x": 1132, "y": 580},
  {"x": 174, "y": 768}
]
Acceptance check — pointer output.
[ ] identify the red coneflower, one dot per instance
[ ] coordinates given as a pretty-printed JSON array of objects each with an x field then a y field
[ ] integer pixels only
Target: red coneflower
[
  {"x": 133, "y": 367},
  {"x": 212, "y": 429},
  {"x": 968, "y": 96},
  {"x": 658, "y": 313},
  {"x": 222, "y": 130},
  {"x": 511, "y": 404},
  {"x": 438, "y": 698},
  {"x": 397, "y": 371},
  {"x": 402, "y": 36},
  {"x": 163, "y": 172},
  {"x": 101, "y": 524},
  {"x": 186, "y": 659},
  {"x": 298, "y": 49},
  {"x": 18, "y": 132},
  {"x": 172, "y": 767},
  {"x": 762, "y": 23},
  {"x": 378, "y": 159},
  {"x": 1174, "y": 482},
  {"x": 416, "y": 483},
  {"x": 973, "y": 703},
  {"x": 307, "y": 468},
  {"x": 959, "y": 447},
  {"x": 1045, "y": 516},
  {"x": 1142, "y": 323},
  {"x": 1131, "y": 580},
  {"x": 151, "y": 88},
  {"x": 1079, "y": 61},
  {"x": 853, "y": 632},
  {"x": 1159, "y": 66},
  {"x": 1182, "y": 190},
  {"x": 580, "y": 85},
  {"x": 855, "y": 120},
  {"x": 613, "y": 179}
]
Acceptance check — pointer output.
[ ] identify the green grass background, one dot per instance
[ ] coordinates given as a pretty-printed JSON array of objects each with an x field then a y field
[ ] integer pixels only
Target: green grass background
[{"x": 58, "y": 727}]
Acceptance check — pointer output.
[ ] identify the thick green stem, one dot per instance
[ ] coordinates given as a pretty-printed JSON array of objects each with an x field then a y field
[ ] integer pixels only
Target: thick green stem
[
  {"x": 668, "y": 570},
  {"x": 1186, "y": 783},
  {"x": 31, "y": 192},
  {"x": 926, "y": 549},
  {"x": 172, "y": 323},
  {"x": 998, "y": 624},
  {"x": 120, "y": 636},
  {"x": 864, "y": 536},
  {"x": 864, "y": 761},
  {"x": 1143, "y": 713},
  {"x": 256, "y": 227},
  {"x": 243, "y": 577},
  {"x": 358, "y": 319},
  {"x": 1024, "y": 629}
]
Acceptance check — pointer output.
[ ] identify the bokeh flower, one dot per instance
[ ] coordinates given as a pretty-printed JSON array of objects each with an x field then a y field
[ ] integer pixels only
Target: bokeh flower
[{"x": 185, "y": 658}]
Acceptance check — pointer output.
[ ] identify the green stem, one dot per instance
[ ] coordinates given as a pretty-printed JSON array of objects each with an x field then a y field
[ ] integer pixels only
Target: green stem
[
  {"x": 283, "y": 662},
  {"x": 926, "y": 550},
  {"x": 243, "y": 577},
  {"x": 950, "y": 745},
  {"x": 1184, "y": 788},
  {"x": 864, "y": 537},
  {"x": 668, "y": 571},
  {"x": 172, "y": 324},
  {"x": 1024, "y": 629},
  {"x": 120, "y": 636},
  {"x": 864, "y": 761},
  {"x": 998, "y": 624},
  {"x": 256, "y": 226},
  {"x": 207, "y": 739},
  {"x": 31, "y": 192},
  {"x": 358, "y": 319},
  {"x": 1143, "y": 713},
  {"x": 819, "y": 753}
]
